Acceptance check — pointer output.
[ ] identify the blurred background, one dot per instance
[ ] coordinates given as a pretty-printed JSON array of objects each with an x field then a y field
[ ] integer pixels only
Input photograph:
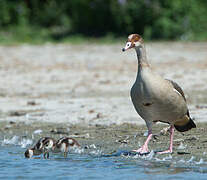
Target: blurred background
[
  {"x": 62, "y": 60},
  {"x": 54, "y": 20}
]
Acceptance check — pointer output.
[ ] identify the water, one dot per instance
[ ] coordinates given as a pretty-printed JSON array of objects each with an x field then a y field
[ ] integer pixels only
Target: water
[{"x": 94, "y": 165}]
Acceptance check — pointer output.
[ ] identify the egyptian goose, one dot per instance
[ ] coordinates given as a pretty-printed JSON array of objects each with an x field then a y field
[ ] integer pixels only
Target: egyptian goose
[
  {"x": 44, "y": 145},
  {"x": 157, "y": 99},
  {"x": 63, "y": 144}
]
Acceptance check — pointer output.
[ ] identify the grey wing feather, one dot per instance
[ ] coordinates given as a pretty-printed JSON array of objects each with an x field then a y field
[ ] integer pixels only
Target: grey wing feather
[{"x": 177, "y": 87}]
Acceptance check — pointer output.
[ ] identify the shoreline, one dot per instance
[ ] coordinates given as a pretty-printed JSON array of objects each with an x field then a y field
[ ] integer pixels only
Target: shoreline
[
  {"x": 110, "y": 139},
  {"x": 50, "y": 86}
]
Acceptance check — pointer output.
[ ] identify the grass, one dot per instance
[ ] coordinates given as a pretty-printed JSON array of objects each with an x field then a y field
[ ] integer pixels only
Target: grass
[
  {"x": 21, "y": 35},
  {"x": 31, "y": 35}
]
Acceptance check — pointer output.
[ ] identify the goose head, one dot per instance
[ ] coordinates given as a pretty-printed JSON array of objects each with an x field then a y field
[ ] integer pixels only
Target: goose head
[
  {"x": 29, "y": 153},
  {"x": 134, "y": 40},
  {"x": 32, "y": 152}
]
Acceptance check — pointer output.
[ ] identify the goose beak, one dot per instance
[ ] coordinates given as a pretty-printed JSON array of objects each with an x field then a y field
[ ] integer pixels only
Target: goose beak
[{"x": 123, "y": 49}]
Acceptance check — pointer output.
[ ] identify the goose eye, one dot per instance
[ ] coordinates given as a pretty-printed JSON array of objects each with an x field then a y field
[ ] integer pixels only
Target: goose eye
[{"x": 128, "y": 44}]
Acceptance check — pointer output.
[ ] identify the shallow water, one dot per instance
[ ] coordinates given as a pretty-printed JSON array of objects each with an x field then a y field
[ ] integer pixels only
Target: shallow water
[{"x": 94, "y": 164}]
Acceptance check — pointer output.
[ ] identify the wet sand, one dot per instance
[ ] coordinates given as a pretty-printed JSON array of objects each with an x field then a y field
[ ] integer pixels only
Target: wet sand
[
  {"x": 110, "y": 139},
  {"x": 82, "y": 91}
]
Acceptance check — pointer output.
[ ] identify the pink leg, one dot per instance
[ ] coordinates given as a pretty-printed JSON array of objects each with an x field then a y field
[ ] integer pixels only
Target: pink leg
[
  {"x": 144, "y": 148},
  {"x": 171, "y": 142}
]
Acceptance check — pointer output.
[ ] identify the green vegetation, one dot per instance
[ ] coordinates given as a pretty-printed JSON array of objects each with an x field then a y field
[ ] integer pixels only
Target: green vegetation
[{"x": 40, "y": 21}]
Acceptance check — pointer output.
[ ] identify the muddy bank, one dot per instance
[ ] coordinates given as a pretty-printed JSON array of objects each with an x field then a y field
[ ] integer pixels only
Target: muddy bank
[{"x": 110, "y": 139}]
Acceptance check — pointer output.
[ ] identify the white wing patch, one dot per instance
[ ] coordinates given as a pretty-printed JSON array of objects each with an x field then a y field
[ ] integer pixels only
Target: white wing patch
[
  {"x": 63, "y": 147},
  {"x": 70, "y": 141},
  {"x": 50, "y": 145},
  {"x": 177, "y": 92}
]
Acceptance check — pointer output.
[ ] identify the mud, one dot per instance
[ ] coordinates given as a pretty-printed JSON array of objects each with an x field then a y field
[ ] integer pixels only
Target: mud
[
  {"x": 82, "y": 91},
  {"x": 110, "y": 139}
]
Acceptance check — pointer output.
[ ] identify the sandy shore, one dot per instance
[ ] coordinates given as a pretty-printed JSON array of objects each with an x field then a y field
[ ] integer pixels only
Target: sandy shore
[
  {"x": 79, "y": 90},
  {"x": 90, "y": 84}
]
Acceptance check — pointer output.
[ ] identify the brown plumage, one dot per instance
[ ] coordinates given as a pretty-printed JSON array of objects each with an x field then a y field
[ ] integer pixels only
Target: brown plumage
[
  {"x": 64, "y": 143},
  {"x": 44, "y": 145}
]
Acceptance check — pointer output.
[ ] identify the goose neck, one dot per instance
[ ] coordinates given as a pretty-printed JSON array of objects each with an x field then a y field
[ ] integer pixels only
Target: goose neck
[{"x": 141, "y": 56}]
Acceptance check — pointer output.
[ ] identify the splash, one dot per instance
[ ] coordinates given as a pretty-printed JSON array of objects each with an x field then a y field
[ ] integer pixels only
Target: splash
[
  {"x": 191, "y": 159},
  {"x": 78, "y": 150},
  {"x": 25, "y": 142},
  {"x": 145, "y": 157},
  {"x": 167, "y": 158},
  {"x": 38, "y": 131},
  {"x": 16, "y": 140},
  {"x": 181, "y": 146},
  {"x": 200, "y": 162},
  {"x": 93, "y": 146},
  {"x": 13, "y": 141},
  {"x": 96, "y": 152}
]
